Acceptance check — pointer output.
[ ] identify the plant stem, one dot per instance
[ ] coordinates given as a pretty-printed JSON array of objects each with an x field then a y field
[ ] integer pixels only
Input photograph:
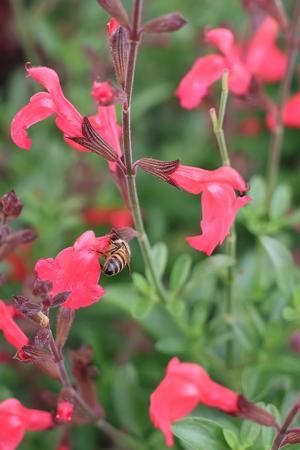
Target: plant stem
[
  {"x": 278, "y": 133},
  {"x": 127, "y": 148},
  {"x": 217, "y": 122},
  {"x": 289, "y": 419},
  {"x": 120, "y": 438}
]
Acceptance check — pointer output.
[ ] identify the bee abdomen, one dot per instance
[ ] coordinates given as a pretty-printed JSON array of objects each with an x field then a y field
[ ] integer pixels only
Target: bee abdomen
[{"x": 113, "y": 265}]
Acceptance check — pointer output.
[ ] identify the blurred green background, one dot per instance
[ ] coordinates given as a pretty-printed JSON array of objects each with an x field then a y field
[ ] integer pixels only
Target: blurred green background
[{"x": 131, "y": 348}]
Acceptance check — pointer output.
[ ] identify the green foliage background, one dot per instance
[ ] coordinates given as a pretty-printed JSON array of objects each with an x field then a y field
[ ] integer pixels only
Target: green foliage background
[{"x": 64, "y": 35}]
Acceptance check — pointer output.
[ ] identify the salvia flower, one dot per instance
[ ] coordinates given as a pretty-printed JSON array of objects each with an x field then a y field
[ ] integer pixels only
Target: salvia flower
[
  {"x": 68, "y": 119},
  {"x": 15, "y": 419},
  {"x": 220, "y": 203},
  {"x": 186, "y": 385},
  {"x": 261, "y": 58},
  {"x": 76, "y": 270},
  {"x": 11, "y": 330},
  {"x": 64, "y": 411}
]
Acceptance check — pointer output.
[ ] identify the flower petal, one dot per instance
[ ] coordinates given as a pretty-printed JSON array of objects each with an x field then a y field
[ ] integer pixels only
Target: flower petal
[
  {"x": 194, "y": 86},
  {"x": 264, "y": 58},
  {"x": 39, "y": 108},
  {"x": 195, "y": 179},
  {"x": 219, "y": 208}
]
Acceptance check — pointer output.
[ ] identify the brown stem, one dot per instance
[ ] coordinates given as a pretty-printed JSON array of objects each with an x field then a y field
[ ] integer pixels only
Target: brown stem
[
  {"x": 134, "y": 41},
  {"x": 289, "y": 419},
  {"x": 278, "y": 133}
]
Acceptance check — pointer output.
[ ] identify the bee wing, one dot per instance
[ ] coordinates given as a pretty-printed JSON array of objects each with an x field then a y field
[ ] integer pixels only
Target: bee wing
[{"x": 126, "y": 233}]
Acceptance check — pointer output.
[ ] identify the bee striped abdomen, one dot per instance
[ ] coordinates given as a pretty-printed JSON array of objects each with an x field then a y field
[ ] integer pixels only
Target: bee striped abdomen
[{"x": 117, "y": 259}]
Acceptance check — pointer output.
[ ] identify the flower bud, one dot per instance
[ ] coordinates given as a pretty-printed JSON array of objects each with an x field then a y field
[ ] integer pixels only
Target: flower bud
[
  {"x": 41, "y": 287},
  {"x": 31, "y": 310},
  {"x": 165, "y": 24},
  {"x": 116, "y": 10},
  {"x": 11, "y": 204},
  {"x": 291, "y": 437},
  {"x": 119, "y": 52},
  {"x": 64, "y": 410},
  {"x": 94, "y": 142},
  {"x": 65, "y": 319},
  {"x": 107, "y": 94},
  {"x": 60, "y": 298},
  {"x": 160, "y": 169},
  {"x": 40, "y": 358},
  {"x": 248, "y": 410}
]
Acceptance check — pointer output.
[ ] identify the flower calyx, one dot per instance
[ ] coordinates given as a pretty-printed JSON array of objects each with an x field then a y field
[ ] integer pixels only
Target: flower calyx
[
  {"x": 160, "y": 169},
  {"x": 167, "y": 23},
  {"x": 93, "y": 141}
]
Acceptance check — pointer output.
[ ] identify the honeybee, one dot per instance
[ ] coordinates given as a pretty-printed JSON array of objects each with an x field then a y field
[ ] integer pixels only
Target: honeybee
[{"x": 118, "y": 253}]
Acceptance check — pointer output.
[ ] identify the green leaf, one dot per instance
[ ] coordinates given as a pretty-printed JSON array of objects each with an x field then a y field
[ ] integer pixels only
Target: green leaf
[
  {"x": 142, "y": 306},
  {"x": 128, "y": 399},
  {"x": 180, "y": 272},
  {"x": 171, "y": 346},
  {"x": 231, "y": 439},
  {"x": 160, "y": 258},
  {"x": 258, "y": 194},
  {"x": 249, "y": 433},
  {"x": 282, "y": 263},
  {"x": 141, "y": 284},
  {"x": 281, "y": 201},
  {"x": 210, "y": 267},
  {"x": 197, "y": 433}
]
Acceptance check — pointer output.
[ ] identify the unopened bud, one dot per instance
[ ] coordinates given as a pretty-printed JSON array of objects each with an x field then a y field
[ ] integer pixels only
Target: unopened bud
[
  {"x": 65, "y": 319},
  {"x": 60, "y": 298},
  {"x": 291, "y": 437},
  {"x": 93, "y": 141},
  {"x": 116, "y": 10},
  {"x": 65, "y": 408},
  {"x": 119, "y": 52},
  {"x": 165, "y": 24},
  {"x": 11, "y": 204},
  {"x": 107, "y": 94},
  {"x": 41, "y": 287},
  {"x": 250, "y": 411},
  {"x": 40, "y": 358},
  {"x": 160, "y": 169},
  {"x": 31, "y": 310}
]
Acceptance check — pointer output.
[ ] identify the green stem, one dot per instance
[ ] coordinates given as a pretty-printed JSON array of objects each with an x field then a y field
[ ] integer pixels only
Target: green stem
[
  {"x": 217, "y": 122},
  {"x": 24, "y": 31},
  {"x": 127, "y": 149},
  {"x": 278, "y": 133}
]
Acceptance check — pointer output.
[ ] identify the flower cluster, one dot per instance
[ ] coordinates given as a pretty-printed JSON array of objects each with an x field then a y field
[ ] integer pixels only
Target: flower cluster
[{"x": 261, "y": 58}]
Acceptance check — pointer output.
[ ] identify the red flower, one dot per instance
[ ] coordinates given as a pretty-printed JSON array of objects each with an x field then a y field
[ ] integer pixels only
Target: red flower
[
  {"x": 18, "y": 262},
  {"x": 102, "y": 92},
  {"x": 262, "y": 58},
  {"x": 68, "y": 119},
  {"x": 12, "y": 332},
  {"x": 111, "y": 26},
  {"x": 15, "y": 419},
  {"x": 76, "y": 269},
  {"x": 219, "y": 202},
  {"x": 64, "y": 411},
  {"x": 116, "y": 217},
  {"x": 250, "y": 126},
  {"x": 290, "y": 114},
  {"x": 184, "y": 386}
]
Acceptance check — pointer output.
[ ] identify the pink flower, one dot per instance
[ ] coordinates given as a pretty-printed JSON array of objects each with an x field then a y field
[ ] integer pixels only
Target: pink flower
[
  {"x": 64, "y": 411},
  {"x": 77, "y": 270},
  {"x": 15, "y": 419},
  {"x": 11, "y": 331},
  {"x": 103, "y": 93},
  {"x": 219, "y": 201},
  {"x": 184, "y": 386},
  {"x": 68, "y": 119},
  {"x": 261, "y": 58},
  {"x": 290, "y": 114}
]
